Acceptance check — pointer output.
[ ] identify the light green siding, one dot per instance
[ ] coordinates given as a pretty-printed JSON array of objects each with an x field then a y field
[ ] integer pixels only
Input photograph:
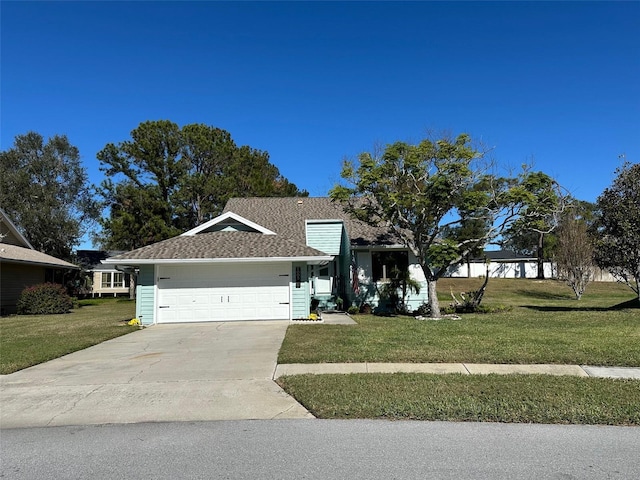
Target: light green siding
[
  {"x": 325, "y": 236},
  {"x": 300, "y": 296},
  {"x": 145, "y": 295}
]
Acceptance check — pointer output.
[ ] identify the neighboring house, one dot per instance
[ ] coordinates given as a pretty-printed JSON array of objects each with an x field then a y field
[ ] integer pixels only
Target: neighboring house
[
  {"x": 266, "y": 259},
  {"x": 502, "y": 264},
  {"x": 103, "y": 280},
  {"x": 22, "y": 266},
  {"x": 508, "y": 264}
]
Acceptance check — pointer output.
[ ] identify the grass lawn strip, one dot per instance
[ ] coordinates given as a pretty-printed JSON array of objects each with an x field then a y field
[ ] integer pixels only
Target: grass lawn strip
[
  {"x": 454, "y": 397},
  {"x": 27, "y": 340}
]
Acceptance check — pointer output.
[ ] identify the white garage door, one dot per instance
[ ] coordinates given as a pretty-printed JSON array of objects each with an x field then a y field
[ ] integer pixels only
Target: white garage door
[{"x": 223, "y": 292}]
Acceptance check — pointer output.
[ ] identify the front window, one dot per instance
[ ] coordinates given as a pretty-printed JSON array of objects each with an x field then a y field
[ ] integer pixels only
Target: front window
[
  {"x": 118, "y": 280},
  {"x": 106, "y": 280},
  {"x": 388, "y": 264}
]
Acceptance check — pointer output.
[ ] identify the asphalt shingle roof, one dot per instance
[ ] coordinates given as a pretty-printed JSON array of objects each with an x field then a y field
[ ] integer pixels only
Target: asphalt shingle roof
[
  {"x": 286, "y": 216},
  {"x": 212, "y": 245},
  {"x": 15, "y": 254}
]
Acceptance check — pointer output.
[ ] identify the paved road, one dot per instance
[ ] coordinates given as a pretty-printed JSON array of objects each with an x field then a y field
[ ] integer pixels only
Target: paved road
[
  {"x": 204, "y": 371},
  {"x": 321, "y": 449}
]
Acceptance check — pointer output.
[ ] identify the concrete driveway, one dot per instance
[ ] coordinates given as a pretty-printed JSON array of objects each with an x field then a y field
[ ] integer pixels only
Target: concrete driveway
[{"x": 188, "y": 372}]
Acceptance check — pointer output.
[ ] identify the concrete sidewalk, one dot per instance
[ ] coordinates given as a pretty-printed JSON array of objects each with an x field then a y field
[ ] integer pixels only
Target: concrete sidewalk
[{"x": 464, "y": 368}]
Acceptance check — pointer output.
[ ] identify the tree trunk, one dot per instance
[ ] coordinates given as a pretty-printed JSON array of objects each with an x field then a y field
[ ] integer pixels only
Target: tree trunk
[
  {"x": 482, "y": 289},
  {"x": 540, "y": 256},
  {"x": 133, "y": 281},
  {"x": 433, "y": 299}
]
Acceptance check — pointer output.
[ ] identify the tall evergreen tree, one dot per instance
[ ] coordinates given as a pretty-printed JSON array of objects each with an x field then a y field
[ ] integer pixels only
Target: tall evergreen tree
[
  {"x": 168, "y": 179},
  {"x": 45, "y": 191}
]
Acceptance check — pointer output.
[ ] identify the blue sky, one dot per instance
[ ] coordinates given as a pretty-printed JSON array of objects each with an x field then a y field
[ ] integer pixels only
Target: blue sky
[{"x": 556, "y": 83}]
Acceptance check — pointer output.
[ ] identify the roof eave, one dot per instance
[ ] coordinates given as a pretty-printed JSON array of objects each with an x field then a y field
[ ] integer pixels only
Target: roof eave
[
  {"x": 39, "y": 264},
  {"x": 370, "y": 246},
  {"x": 153, "y": 261}
]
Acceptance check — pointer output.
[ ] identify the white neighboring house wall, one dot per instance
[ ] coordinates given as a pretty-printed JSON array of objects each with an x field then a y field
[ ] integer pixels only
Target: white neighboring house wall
[
  {"x": 517, "y": 269},
  {"x": 502, "y": 269}
]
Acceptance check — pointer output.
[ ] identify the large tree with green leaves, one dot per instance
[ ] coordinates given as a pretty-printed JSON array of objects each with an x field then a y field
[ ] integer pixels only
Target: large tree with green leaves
[
  {"x": 427, "y": 193},
  {"x": 618, "y": 227},
  {"x": 168, "y": 179},
  {"x": 45, "y": 191},
  {"x": 532, "y": 232}
]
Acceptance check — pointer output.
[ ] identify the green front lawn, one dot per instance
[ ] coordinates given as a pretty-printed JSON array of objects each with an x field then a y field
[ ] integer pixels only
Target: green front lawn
[
  {"x": 27, "y": 340},
  {"x": 545, "y": 325},
  {"x": 476, "y": 398}
]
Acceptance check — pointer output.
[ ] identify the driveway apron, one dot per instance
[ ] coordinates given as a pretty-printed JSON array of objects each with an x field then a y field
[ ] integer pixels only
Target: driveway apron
[{"x": 185, "y": 372}]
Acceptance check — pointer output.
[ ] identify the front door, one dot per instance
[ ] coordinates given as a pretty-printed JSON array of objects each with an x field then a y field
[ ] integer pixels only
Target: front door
[{"x": 322, "y": 279}]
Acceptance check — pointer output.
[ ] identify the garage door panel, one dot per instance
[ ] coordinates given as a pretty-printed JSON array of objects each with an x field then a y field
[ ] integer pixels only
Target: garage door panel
[
  {"x": 263, "y": 296},
  {"x": 199, "y": 293},
  {"x": 169, "y": 299},
  {"x": 191, "y": 297}
]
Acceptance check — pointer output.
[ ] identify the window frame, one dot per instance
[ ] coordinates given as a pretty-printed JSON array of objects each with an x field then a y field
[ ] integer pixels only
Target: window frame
[
  {"x": 107, "y": 284},
  {"x": 382, "y": 261},
  {"x": 117, "y": 283}
]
